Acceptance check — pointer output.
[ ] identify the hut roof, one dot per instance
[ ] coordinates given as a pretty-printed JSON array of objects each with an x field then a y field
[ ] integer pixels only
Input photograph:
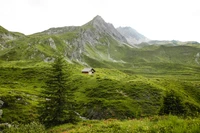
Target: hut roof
[{"x": 88, "y": 70}]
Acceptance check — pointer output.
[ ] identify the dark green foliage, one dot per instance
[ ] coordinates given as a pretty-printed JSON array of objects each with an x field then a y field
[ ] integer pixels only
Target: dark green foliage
[
  {"x": 172, "y": 104},
  {"x": 57, "y": 108}
]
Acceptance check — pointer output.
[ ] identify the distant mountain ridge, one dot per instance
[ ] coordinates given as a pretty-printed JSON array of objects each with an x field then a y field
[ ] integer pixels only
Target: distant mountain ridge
[
  {"x": 132, "y": 36},
  {"x": 171, "y": 42}
]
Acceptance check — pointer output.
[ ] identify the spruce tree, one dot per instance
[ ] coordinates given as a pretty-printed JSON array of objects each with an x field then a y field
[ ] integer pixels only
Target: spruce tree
[
  {"x": 57, "y": 108},
  {"x": 172, "y": 104}
]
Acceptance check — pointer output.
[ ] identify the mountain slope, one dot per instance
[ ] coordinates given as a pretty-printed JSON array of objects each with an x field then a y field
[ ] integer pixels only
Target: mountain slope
[
  {"x": 109, "y": 93},
  {"x": 95, "y": 44},
  {"x": 132, "y": 36},
  {"x": 6, "y": 36},
  {"x": 94, "y": 40}
]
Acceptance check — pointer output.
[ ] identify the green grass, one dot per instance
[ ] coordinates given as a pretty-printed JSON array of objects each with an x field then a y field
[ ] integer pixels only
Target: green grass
[
  {"x": 109, "y": 93},
  {"x": 129, "y": 83},
  {"x": 155, "y": 124},
  {"x": 32, "y": 127}
]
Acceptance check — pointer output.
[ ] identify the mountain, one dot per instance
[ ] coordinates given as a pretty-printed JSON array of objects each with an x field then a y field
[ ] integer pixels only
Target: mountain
[
  {"x": 91, "y": 31},
  {"x": 132, "y": 36},
  {"x": 6, "y": 36},
  {"x": 95, "y": 44},
  {"x": 95, "y": 40}
]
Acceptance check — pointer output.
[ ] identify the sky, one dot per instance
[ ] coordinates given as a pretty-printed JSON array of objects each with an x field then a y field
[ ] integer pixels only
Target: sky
[{"x": 155, "y": 19}]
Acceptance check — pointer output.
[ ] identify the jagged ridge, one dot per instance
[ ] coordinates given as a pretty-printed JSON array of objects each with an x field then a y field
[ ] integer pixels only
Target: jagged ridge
[{"x": 132, "y": 36}]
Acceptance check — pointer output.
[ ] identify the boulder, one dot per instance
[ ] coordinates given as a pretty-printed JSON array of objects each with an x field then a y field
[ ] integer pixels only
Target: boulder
[
  {"x": 1, "y": 103},
  {"x": 1, "y": 113}
]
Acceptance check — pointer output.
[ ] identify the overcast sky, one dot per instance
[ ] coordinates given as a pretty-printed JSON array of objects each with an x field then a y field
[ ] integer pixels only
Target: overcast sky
[{"x": 155, "y": 19}]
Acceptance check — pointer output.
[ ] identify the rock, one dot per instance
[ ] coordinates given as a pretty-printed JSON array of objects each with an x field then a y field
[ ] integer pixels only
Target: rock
[
  {"x": 1, "y": 113},
  {"x": 1, "y": 103},
  {"x": 83, "y": 118},
  {"x": 5, "y": 125},
  {"x": 52, "y": 43}
]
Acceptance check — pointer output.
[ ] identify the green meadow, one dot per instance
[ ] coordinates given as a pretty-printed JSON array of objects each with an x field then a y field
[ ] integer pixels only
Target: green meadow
[
  {"x": 154, "y": 88},
  {"x": 111, "y": 100}
]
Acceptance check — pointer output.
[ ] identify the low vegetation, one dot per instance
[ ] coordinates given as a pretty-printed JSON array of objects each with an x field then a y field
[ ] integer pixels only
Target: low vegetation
[
  {"x": 33, "y": 127},
  {"x": 132, "y": 90},
  {"x": 108, "y": 94},
  {"x": 154, "y": 124}
]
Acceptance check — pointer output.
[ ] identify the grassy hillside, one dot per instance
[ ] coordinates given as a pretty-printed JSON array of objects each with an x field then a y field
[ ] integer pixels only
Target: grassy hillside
[
  {"x": 109, "y": 93},
  {"x": 3, "y": 30},
  {"x": 163, "y": 124},
  {"x": 129, "y": 83},
  {"x": 6, "y": 36}
]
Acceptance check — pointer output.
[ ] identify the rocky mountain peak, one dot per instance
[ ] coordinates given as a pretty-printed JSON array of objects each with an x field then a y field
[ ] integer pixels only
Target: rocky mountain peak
[
  {"x": 103, "y": 27},
  {"x": 98, "y": 19},
  {"x": 98, "y": 22}
]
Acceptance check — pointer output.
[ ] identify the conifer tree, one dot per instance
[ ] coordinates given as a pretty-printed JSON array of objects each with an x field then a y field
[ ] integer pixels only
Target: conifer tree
[
  {"x": 172, "y": 104},
  {"x": 57, "y": 108}
]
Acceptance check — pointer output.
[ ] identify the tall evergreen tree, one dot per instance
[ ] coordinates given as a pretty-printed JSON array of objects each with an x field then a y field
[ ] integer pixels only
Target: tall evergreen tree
[
  {"x": 57, "y": 108},
  {"x": 172, "y": 104}
]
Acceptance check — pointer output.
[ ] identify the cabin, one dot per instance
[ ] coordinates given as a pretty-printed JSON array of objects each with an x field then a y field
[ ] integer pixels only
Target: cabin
[{"x": 88, "y": 70}]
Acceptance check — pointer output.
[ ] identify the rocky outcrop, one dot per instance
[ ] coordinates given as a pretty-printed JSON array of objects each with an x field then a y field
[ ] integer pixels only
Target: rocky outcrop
[
  {"x": 132, "y": 36},
  {"x": 52, "y": 43},
  {"x": 1, "y": 103},
  {"x": 1, "y": 111},
  {"x": 197, "y": 58}
]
